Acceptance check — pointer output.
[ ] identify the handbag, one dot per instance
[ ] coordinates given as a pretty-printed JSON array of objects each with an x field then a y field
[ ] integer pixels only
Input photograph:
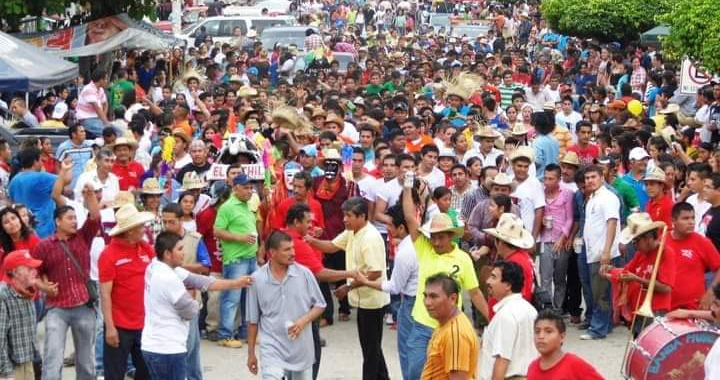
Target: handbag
[
  {"x": 541, "y": 298},
  {"x": 91, "y": 286}
]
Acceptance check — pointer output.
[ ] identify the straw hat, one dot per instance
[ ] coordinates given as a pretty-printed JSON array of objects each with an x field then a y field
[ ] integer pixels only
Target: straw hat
[
  {"x": 192, "y": 74},
  {"x": 123, "y": 198},
  {"x": 178, "y": 132},
  {"x": 523, "y": 151},
  {"x": 519, "y": 129},
  {"x": 318, "y": 112},
  {"x": 441, "y": 223},
  {"x": 129, "y": 217},
  {"x": 120, "y": 141},
  {"x": 670, "y": 108},
  {"x": 285, "y": 116},
  {"x": 638, "y": 224},
  {"x": 510, "y": 229},
  {"x": 192, "y": 181},
  {"x": 334, "y": 119},
  {"x": 151, "y": 186},
  {"x": 656, "y": 175},
  {"x": 668, "y": 134},
  {"x": 487, "y": 132},
  {"x": 331, "y": 154},
  {"x": 502, "y": 179},
  {"x": 570, "y": 158},
  {"x": 246, "y": 92}
]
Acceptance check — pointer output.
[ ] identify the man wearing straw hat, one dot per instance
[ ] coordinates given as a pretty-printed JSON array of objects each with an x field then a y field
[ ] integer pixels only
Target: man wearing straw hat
[
  {"x": 125, "y": 168},
  {"x": 487, "y": 152},
  {"x": 660, "y": 204},
  {"x": 122, "y": 281},
  {"x": 647, "y": 236},
  {"x": 436, "y": 253}
]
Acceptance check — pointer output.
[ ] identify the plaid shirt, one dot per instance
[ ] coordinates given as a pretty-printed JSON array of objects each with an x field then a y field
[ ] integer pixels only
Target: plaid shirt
[
  {"x": 17, "y": 330},
  {"x": 457, "y": 198},
  {"x": 638, "y": 79},
  {"x": 313, "y": 42},
  {"x": 472, "y": 199}
]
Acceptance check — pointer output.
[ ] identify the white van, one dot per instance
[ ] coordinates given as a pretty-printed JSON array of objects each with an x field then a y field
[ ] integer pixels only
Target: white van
[{"x": 221, "y": 28}]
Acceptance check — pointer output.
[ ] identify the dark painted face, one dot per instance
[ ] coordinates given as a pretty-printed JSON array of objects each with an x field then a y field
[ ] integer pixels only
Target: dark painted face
[{"x": 331, "y": 169}]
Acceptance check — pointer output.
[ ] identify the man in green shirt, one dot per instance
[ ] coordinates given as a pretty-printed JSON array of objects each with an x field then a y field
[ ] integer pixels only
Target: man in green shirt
[
  {"x": 119, "y": 88},
  {"x": 236, "y": 229},
  {"x": 374, "y": 87},
  {"x": 625, "y": 190}
]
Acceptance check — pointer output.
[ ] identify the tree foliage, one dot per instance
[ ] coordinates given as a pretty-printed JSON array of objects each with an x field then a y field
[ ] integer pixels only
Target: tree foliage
[
  {"x": 12, "y": 11},
  {"x": 607, "y": 20},
  {"x": 694, "y": 32}
]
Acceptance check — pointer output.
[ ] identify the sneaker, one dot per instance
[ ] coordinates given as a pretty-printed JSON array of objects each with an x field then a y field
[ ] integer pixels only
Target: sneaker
[
  {"x": 589, "y": 337},
  {"x": 203, "y": 334},
  {"x": 575, "y": 320},
  {"x": 584, "y": 326},
  {"x": 389, "y": 320},
  {"x": 69, "y": 361},
  {"x": 231, "y": 343},
  {"x": 213, "y": 336}
]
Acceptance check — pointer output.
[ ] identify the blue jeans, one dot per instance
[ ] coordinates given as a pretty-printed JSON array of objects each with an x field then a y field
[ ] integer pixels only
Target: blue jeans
[
  {"x": 417, "y": 350},
  {"x": 165, "y": 366},
  {"x": 192, "y": 357},
  {"x": 93, "y": 127},
  {"x": 81, "y": 321},
  {"x": 601, "y": 323},
  {"x": 405, "y": 323},
  {"x": 100, "y": 340},
  {"x": 230, "y": 300},
  {"x": 584, "y": 274}
]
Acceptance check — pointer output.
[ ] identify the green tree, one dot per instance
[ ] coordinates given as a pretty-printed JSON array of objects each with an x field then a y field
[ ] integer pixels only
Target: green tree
[
  {"x": 606, "y": 20},
  {"x": 694, "y": 32}
]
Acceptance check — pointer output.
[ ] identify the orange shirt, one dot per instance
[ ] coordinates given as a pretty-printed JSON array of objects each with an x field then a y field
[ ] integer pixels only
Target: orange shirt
[
  {"x": 412, "y": 147},
  {"x": 184, "y": 126}
]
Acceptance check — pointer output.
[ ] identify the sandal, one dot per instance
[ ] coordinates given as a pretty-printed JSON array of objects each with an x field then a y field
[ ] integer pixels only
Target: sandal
[{"x": 344, "y": 317}]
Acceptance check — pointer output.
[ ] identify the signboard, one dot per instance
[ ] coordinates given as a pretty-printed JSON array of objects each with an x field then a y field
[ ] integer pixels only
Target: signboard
[
  {"x": 693, "y": 78},
  {"x": 218, "y": 172}
]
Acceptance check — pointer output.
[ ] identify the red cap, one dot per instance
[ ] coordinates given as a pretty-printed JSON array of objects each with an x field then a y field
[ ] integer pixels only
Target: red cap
[{"x": 18, "y": 258}]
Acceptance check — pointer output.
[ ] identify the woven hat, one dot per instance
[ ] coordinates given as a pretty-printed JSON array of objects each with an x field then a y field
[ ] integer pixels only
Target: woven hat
[
  {"x": 122, "y": 198},
  {"x": 510, "y": 229},
  {"x": 656, "y": 175},
  {"x": 246, "y": 92},
  {"x": 668, "y": 134},
  {"x": 192, "y": 74},
  {"x": 464, "y": 85},
  {"x": 128, "y": 217},
  {"x": 120, "y": 141},
  {"x": 519, "y": 129},
  {"x": 502, "y": 179},
  {"x": 333, "y": 119},
  {"x": 637, "y": 224},
  {"x": 487, "y": 132},
  {"x": 670, "y": 108},
  {"x": 523, "y": 151},
  {"x": 151, "y": 186},
  {"x": 178, "y": 132},
  {"x": 285, "y": 117},
  {"x": 235, "y": 78},
  {"x": 331, "y": 154},
  {"x": 570, "y": 158},
  {"x": 192, "y": 181},
  {"x": 318, "y": 112},
  {"x": 440, "y": 223}
]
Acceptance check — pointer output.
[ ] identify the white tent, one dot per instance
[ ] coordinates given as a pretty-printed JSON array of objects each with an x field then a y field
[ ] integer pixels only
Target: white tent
[{"x": 24, "y": 67}]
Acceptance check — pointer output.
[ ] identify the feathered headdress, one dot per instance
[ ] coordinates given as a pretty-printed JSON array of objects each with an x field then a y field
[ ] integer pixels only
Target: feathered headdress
[{"x": 463, "y": 85}]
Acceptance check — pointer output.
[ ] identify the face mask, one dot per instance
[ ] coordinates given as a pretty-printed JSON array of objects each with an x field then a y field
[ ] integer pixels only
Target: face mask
[
  {"x": 331, "y": 169},
  {"x": 291, "y": 168}
]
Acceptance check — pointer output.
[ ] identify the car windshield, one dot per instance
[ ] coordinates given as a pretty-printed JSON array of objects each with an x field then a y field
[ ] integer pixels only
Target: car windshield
[
  {"x": 286, "y": 37},
  {"x": 188, "y": 28},
  {"x": 471, "y": 31},
  {"x": 343, "y": 60}
]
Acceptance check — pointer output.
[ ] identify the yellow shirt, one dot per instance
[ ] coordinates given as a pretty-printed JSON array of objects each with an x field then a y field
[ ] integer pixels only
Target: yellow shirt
[
  {"x": 453, "y": 347},
  {"x": 365, "y": 251},
  {"x": 456, "y": 263}
]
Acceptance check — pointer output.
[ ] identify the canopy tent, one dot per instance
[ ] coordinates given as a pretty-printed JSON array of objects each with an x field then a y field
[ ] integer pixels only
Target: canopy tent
[
  {"x": 103, "y": 35},
  {"x": 652, "y": 36},
  {"x": 24, "y": 67}
]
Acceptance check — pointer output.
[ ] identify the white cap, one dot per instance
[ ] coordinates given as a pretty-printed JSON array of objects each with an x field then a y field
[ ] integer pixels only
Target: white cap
[
  {"x": 60, "y": 110},
  {"x": 638, "y": 153}
]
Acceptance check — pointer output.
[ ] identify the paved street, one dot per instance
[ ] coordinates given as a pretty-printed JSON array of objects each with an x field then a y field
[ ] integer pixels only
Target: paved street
[{"x": 342, "y": 357}]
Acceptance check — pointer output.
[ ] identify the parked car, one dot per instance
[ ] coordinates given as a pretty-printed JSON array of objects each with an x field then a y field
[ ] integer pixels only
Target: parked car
[
  {"x": 285, "y": 35},
  {"x": 221, "y": 28},
  {"x": 15, "y": 136},
  {"x": 343, "y": 59},
  {"x": 471, "y": 31}
]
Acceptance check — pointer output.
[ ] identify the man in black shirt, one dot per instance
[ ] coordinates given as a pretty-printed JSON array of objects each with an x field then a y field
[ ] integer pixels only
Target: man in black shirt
[{"x": 711, "y": 221}]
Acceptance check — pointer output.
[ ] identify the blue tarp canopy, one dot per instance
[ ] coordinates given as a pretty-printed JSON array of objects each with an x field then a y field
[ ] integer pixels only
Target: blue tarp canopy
[{"x": 26, "y": 68}]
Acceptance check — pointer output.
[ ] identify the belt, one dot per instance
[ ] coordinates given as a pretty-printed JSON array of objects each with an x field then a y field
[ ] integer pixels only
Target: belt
[{"x": 516, "y": 378}]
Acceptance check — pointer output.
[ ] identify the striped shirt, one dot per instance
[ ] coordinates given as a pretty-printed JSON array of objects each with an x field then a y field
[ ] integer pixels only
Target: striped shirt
[
  {"x": 17, "y": 330},
  {"x": 506, "y": 93},
  {"x": 88, "y": 95},
  {"x": 453, "y": 347}
]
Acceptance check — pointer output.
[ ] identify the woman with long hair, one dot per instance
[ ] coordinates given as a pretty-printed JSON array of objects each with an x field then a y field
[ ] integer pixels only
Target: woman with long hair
[
  {"x": 187, "y": 201},
  {"x": 14, "y": 233}
]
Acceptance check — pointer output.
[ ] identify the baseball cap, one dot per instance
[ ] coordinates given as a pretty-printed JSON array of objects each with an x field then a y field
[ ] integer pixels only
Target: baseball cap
[
  {"x": 241, "y": 179},
  {"x": 638, "y": 153},
  {"x": 60, "y": 110},
  {"x": 400, "y": 107},
  {"x": 309, "y": 150},
  {"x": 18, "y": 258}
]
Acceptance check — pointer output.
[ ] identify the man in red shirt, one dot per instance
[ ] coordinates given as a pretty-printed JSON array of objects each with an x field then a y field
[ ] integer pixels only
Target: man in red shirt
[
  {"x": 660, "y": 203},
  {"x": 645, "y": 234},
  {"x": 586, "y": 151},
  {"x": 65, "y": 267},
  {"x": 121, "y": 269},
  {"x": 301, "y": 187},
  {"x": 696, "y": 255},
  {"x": 299, "y": 221},
  {"x": 512, "y": 241},
  {"x": 125, "y": 168}
]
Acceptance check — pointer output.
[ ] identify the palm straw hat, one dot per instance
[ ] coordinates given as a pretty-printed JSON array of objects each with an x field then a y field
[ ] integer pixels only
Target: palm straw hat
[
  {"x": 638, "y": 224},
  {"x": 570, "y": 158},
  {"x": 192, "y": 181},
  {"x": 441, "y": 223},
  {"x": 523, "y": 151},
  {"x": 501, "y": 179},
  {"x": 510, "y": 229},
  {"x": 656, "y": 174},
  {"x": 122, "y": 198},
  {"x": 151, "y": 186},
  {"x": 128, "y": 217}
]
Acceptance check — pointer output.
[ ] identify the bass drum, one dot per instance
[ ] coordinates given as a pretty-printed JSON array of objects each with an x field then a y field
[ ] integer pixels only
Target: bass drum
[{"x": 670, "y": 349}]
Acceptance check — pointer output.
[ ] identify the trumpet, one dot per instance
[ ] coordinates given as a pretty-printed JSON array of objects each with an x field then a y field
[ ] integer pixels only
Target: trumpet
[{"x": 645, "y": 310}]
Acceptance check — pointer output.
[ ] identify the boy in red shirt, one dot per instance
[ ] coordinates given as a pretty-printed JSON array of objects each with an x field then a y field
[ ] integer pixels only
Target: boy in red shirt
[
  {"x": 660, "y": 204},
  {"x": 587, "y": 152},
  {"x": 554, "y": 363},
  {"x": 696, "y": 255},
  {"x": 646, "y": 235}
]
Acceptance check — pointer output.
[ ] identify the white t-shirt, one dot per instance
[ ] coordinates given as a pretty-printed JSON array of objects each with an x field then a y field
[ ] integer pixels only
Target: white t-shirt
[
  {"x": 602, "y": 206},
  {"x": 435, "y": 178},
  {"x": 531, "y": 196},
  {"x": 366, "y": 187},
  {"x": 700, "y": 207},
  {"x": 568, "y": 121},
  {"x": 388, "y": 192},
  {"x": 164, "y": 332},
  {"x": 712, "y": 362},
  {"x": 111, "y": 186}
]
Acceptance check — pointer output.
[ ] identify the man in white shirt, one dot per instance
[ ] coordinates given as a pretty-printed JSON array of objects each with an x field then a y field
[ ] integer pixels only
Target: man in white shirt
[
  {"x": 529, "y": 190},
  {"x": 697, "y": 173},
  {"x": 568, "y": 118},
  {"x": 487, "y": 152},
  {"x": 428, "y": 169},
  {"x": 537, "y": 95},
  {"x": 507, "y": 346},
  {"x": 600, "y": 233},
  {"x": 388, "y": 194},
  {"x": 110, "y": 185}
]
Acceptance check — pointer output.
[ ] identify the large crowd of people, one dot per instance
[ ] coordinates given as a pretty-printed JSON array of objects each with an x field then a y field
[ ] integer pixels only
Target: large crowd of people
[{"x": 218, "y": 193}]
